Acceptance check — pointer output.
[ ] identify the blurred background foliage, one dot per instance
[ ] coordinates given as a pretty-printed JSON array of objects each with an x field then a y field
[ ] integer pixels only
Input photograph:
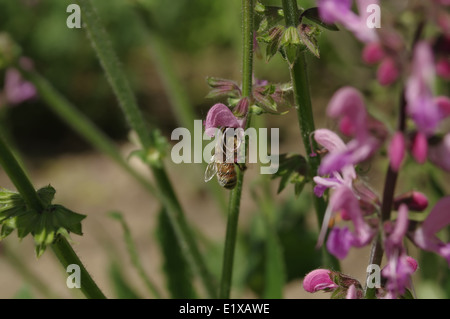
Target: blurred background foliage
[{"x": 202, "y": 38}]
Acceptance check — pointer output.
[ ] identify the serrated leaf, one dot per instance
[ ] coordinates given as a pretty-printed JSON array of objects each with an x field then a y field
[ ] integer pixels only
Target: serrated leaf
[
  {"x": 46, "y": 194},
  {"x": 44, "y": 226},
  {"x": 313, "y": 15}
]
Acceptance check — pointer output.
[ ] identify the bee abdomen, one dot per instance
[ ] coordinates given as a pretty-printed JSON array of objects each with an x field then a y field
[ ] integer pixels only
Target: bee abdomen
[{"x": 226, "y": 175}]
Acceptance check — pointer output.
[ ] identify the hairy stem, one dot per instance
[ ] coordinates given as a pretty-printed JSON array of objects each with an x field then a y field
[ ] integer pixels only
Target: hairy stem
[
  {"x": 303, "y": 105},
  {"x": 67, "y": 256},
  {"x": 235, "y": 196},
  {"x": 119, "y": 83}
]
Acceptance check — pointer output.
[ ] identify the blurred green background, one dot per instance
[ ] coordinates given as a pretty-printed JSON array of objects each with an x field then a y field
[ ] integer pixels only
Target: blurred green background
[{"x": 188, "y": 40}]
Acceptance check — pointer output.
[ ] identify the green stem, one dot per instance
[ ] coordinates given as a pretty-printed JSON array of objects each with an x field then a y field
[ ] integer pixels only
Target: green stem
[
  {"x": 179, "y": 101},
  {"x": 61, "y": 247},
  {"x": 81, "y": 124},
  {"x": 67, "y": 256},
  {"x": 302, "y": 98},
  {"x": 118, "y": 81},
  {"x": 23, "y": 185},
  {"x": 235, "y": 196}
]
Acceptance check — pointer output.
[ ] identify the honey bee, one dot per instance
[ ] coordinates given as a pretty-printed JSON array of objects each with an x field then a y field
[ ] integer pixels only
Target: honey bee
[{"x": 222, "y": 163}]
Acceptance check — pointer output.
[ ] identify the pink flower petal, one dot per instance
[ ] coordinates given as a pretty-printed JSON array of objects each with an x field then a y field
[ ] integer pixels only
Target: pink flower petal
[
  {"x": 220, "y": 116},
  {"x": 348, "y": 102},
  {"x": 373, "y": 53},
  {"x": 438, "y": 218},
  {"x": 396, "y": 151},
  {"x": 387, "y": 72},
  {"x": 319, "y": 279},
  {"x": 419, "y": 148}
]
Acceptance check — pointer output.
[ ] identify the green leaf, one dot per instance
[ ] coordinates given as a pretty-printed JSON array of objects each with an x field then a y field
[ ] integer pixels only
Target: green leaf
[
  {"x": 292, "y": 169},
  {"x": 271, "y": 16},
  {"x": 46, "y": 194},
  {"x": 120, "y": 284},
  {"x": 309, "y": 39},
  {"x": 313, "y": 15},
  {"x": 177, "y": 271}
]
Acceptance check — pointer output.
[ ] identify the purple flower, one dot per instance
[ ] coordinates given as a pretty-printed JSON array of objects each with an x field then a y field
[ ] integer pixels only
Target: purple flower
[
  {"x": 399, "y": 267},
  {"x": 396, "y": 151},
  {"x": 221, "y": 116},
  {"x": 419, "y": 147},
  {"x": 425, "y": 236},
  {"x": 342, "y": 239},
  {"x": 352, "y": 293},
  {"x": 333, "y": 144},
  {"x": 347, "y": 105},
  {"x": 421, "y": 104},
  {"x": 16, "y": 89},
  {"x": 332, "y": 11},
  {"x": 387, "y": 72},
  {"x": 414, "y": 200},
  {"x": 319, "y": 279}
]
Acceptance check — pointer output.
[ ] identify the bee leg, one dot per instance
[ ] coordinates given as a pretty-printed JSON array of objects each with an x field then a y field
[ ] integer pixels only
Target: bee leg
[{"x": 242, "y": 167}]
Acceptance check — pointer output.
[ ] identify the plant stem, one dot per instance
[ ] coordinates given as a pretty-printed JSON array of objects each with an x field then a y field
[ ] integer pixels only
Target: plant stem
[
  {"x": 29, "y": 195},
  {"x": 376, "y": 255},
  {"x": 235, "y": 196},
  {"x": 23, "y": 185},
  {"x": 67, "y": 256},
  {"x": 119, "y": 83},
  {"x": 179, "y": 100},
  {"x": 302, "y": 98}
]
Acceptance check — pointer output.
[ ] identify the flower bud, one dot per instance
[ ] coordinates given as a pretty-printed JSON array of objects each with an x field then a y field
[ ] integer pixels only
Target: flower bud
[
  {"x": 419, "y": 147},
  {"x": 396, "y": 151},
  {"x": 415, "y": 201},
  {"x": 222, "y": 87},
  {"x": 412, "y": 262},
  {"x": 372, "y": 53},
  {"x": 387, "y": 72},
  {"x": 319, "y": 279}
]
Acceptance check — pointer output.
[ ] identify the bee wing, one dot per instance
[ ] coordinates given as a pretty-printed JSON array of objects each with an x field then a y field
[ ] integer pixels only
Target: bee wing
[{"x": 211, "y": 169}]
